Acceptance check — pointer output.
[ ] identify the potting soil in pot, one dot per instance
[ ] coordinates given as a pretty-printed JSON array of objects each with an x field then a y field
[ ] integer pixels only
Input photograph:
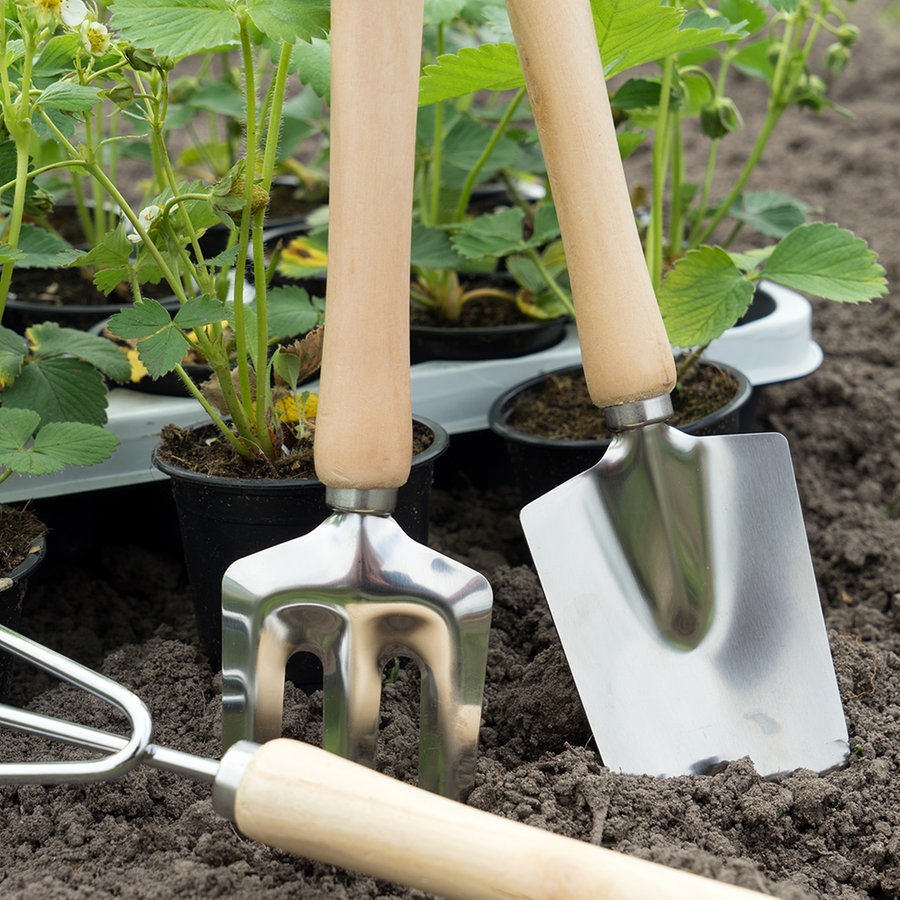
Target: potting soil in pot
[{"x": 126, "y": 610}]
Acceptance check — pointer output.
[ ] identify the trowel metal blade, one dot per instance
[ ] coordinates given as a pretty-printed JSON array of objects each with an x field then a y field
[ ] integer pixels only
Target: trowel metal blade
[{"x": 678, "y": 574}]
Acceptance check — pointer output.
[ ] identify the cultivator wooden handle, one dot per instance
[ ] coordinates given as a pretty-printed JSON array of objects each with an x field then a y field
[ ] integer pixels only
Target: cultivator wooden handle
[
  {"x": 364, "y": 419},
  {"x": 315, "y": 804},
  {"x": 625, "y": 351}
]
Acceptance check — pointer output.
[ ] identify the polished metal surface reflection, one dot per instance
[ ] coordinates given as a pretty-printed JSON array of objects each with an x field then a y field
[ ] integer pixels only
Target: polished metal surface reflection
[
  {"x": 123, "y": 753},
  {"x": 678, "y": 573},
  {"x": 357, "y": 591}
]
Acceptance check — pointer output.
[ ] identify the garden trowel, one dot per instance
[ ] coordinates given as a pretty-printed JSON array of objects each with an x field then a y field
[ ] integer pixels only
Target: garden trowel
[{"x": 677, "y": 569}]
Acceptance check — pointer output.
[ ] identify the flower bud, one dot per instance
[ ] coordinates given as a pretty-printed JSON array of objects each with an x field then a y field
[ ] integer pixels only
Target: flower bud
[
  {"x": 836, "y": 58},
  {"x": 848, "y": 34},
  {"x": 142, "y": 60},
  {"x": 260, "y": 199},
  {"x": 121, "y": 94},
  {"x": 719, "y": 118},
  {"x": 810, "y": 92}
]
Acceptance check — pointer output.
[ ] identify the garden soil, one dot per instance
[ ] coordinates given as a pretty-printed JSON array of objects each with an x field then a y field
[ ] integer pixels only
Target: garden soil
[{"x": 124, "y": 607}]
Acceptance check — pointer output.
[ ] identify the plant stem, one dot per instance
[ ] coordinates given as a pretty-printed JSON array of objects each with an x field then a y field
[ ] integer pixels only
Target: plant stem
[
  {"x": 244, "y": 229},
  {"x": 676, "y": 215},
  {"x": 689, "y": 362},
  {"x": 779, "y": 95},
  {"x": 558, "y": 292},
  {"x": 434, "y": 209},
  {"x": 480, "y": 163},
  {"x": 210, "y": 410},
  {"x": 654, "y": 241},
  {"x": 19, "y": 127},
  {"x": 275, "y": 106}
]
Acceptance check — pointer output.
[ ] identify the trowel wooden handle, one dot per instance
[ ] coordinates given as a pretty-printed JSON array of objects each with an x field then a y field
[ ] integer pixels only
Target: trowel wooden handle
[
  {"x": 364, "y": 419},
  {"x": 317, "y": 805},
  {"x": 624, "y": 347}
]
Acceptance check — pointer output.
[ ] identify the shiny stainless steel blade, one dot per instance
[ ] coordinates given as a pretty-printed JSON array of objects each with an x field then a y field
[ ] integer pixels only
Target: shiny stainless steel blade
[
  {"x": 678, "y": 574},
  {"x": 357, "y": 591}
]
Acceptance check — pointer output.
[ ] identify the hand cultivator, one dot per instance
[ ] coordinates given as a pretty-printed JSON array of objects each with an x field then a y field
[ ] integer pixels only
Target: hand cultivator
[{"x": 314, "y": 804}]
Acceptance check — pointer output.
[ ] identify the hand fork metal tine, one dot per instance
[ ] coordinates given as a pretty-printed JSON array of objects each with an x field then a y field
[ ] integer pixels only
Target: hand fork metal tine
[{"x": 357, "y": 591}]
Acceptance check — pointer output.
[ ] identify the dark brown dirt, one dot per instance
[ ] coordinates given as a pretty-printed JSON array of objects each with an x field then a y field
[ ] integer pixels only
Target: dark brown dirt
[
  {"x": 561, "y": 409},
  {"x": 207, "y": 452},
  {"x": 479, "y": 312},
  {"x": 19, "y": 528},
  {"x": 834, "y": 836}
]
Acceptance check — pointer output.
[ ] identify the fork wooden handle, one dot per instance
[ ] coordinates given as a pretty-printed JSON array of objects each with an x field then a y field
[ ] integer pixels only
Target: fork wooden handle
[
  {"x": 317, "y": 805},
  {"x": 364, "y": 419},
  {"x": 624, "y": 347}
]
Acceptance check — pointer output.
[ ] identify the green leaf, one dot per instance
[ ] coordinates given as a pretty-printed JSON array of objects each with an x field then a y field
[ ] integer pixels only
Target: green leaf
[
  {"x": 9, "y": 254},
  {"x": 220, "y": 97},
  {"x": 74, "y": 443},
  {"x": 111, "y": 258},
  {"x": 752, "y": 14},
  {"x": 55, "y": 446},
  {"x": 546, "y": 225},
  {"x": 500, "y": 233},
  {"x": 637, "y": 93},
  {"x": 60, "y": 389},
  {"x": 57, "y": 55},
  {"x": 312, "y": 62},
  {"x": 49, "y": 339},
  {"x": 161, "y": 352},
  {"x": 160, "y": 342},
  {"x": 787, "y": 6},
  {"x": 176, "y": 28},
  {"x": 751, "y": 261},
  {"x": 463, "y": 145},
  {"x": 69, "y": 97},
  {"x": 431, "y": 248},
  {"x": 631, "y": 32},
  {"x": 827, "y": 261},
  {"x": 755, "y": 60},
  {"x": 703, "y": 295},
  {"x": 497, "y": 234},
  {"x": 487, "y": 67},
  {"x": 287, "y": 367},
  {"x": 439, "y": 12},
  {"x": 770, "y": 212},
  {"x": 199, "y": 311},
  {"x": 629, "y": 141},
  {"x": 288, "y": 20},
  {"x": 41, "y": 249},
  {"x": 292, "y": 312},
  {"x": 16, "y": 427},
  {"x": 13, "y": 348},
  {"x": 145, "y": 318},
  {"x": 525, "y": 272}
]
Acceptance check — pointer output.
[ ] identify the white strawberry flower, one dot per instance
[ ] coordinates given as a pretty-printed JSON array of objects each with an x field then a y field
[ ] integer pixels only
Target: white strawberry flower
[
  {"x": 70, "y": 12},
  {"x": 95, "y": 37},
  {"x": 146, "y": 217}
]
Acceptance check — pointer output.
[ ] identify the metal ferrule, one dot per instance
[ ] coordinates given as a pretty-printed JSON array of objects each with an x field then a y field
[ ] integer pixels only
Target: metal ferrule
[
  {"x": 231, "y": 772},
  {"x": 638, "y": 413},
  {"x": 374, "y": 501}
]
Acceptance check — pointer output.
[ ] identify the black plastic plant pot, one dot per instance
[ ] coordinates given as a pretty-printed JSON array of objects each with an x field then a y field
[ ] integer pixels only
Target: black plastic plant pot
[
  {"x": 12, "y": 595},
  {"x": 470, "y": 343},
  {"x": 224, "y": 519},
  {"x": 539, "y": 464},
  {"x": 22, "y": 312}
]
